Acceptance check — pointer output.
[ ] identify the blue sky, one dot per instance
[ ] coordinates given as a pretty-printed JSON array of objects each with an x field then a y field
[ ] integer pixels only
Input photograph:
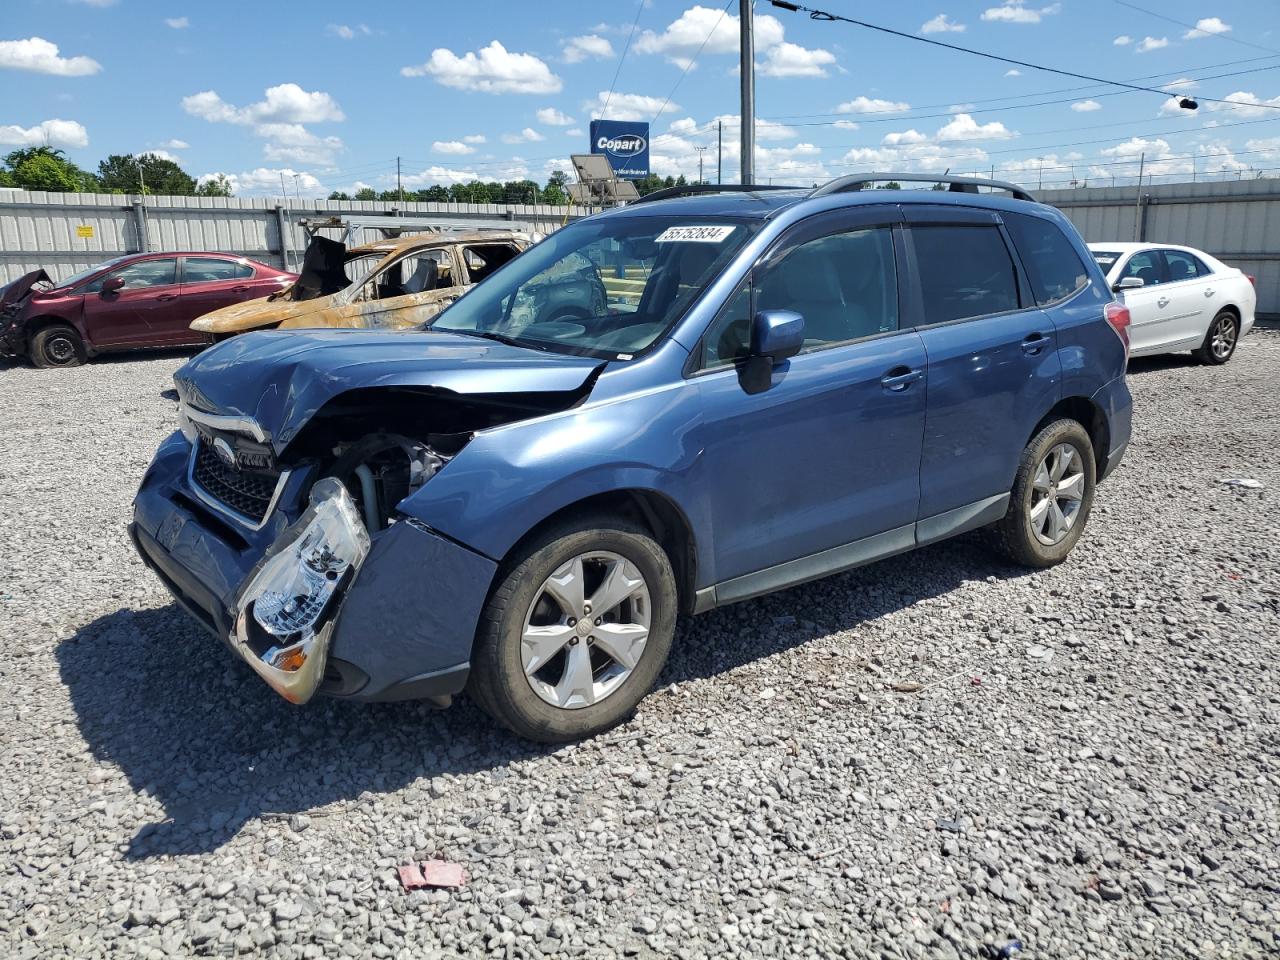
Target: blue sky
[{"x": 334, "y": 92}]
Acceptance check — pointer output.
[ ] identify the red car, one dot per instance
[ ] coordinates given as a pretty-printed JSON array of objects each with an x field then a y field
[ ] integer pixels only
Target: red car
[{"x": 139, "y": 300}]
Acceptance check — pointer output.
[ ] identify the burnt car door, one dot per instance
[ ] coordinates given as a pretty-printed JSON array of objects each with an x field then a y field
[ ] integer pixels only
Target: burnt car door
[
  {"x": 133, "y": 305},
  {"x": 408, "y": 291}
]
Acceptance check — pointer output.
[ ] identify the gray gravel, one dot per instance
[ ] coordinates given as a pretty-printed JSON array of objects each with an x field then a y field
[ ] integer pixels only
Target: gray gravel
[{"x": 1091, "y": 765}]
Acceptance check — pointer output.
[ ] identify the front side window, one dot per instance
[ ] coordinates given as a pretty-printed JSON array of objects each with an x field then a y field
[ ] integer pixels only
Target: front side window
[
  {"x": 965, "y": 271},
  {"x": 1183, "y": 266},
  {"x": 1146, "y": 266},
  {"x": 1053, "y": 266},
  {"x": 213, "y": 269},
  {"x": 609, "y": 287},
  {"x": 145, "y": 273}
]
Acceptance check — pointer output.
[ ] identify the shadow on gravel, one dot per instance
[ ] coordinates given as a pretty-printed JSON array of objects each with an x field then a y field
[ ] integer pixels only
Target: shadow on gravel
[{"x": 193, "y": 727}]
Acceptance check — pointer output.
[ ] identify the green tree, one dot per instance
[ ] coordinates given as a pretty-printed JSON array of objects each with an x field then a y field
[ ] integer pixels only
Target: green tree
[
  {"x": 128, "y": 173},
  {"x": 216, "y": 186},
  {"x": 47, "y": 168},
  {"x": 556, "y": 192},
  {"x": 433, "y": 194},
  {"x": 339, "y": 195},
  {"x": 6, "y": 179},
  {"x": 366, "y": 193}
]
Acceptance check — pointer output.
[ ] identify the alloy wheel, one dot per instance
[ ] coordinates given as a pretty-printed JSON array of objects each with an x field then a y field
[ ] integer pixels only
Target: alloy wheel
[
  {"x": 586, "y": 630},
  {"x": 1223, "y": 338},
  {"x": 1056, "y": 494}
]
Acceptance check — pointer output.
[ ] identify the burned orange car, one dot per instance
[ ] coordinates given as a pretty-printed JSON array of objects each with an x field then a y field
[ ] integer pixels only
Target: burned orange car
[{"x": 385, "y": 285}]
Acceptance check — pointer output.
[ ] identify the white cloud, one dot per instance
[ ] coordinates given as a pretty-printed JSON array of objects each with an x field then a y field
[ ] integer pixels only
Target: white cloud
[
  {"x": 708, "y": 29},
  {"x": 527, "y": 135},
  {"x": 924, "y": 157},
  {"x": 964, "y": 127},
  {"x": 577, "y": 49},
  {"x": 453, "y": 147},
  {"x": 862, "y": 104},
  {"x": 446, "y": 176},
  {"x": 160, "y": 155},
  {"x": 961, "y": 107},
  {"x": 1123, "y": 40},
  {"x": 1207, "y": 27},
  {"x": 177, "y": 23},
  {"x": 292, "y": 142},
  {"x": 54, "y": 133},
  {"x": 176, "y": 144},
  {"x": 1135, "y": 147},
  {"x": 552, "y": 117},
  {"x": 40, "y": 56},
  {"x": 765, "y": 129},
  {"x": 845, "y": 125},
  {"x": 285, "y": 103},
  {"x": 942, "y": 24},
  {"x": 1013, "y": 72},
  {"x": 264, "y": 181},
  {"x": 1086, "y": 106},
  {"x": 493, "y": 70},
  {"x": 474, "y": 138},
  {"x": 904, "y": 138},
  {"x": 1014, "y": 11},
  {"x": 626, "y": 106},
  {"x": 575, "y": 132},
  {"x": 792, "y": 60},
  {"x": 1181, "y": 84},
  {"x": 344, "y": 32},
  {"x": 1151, "y": 43},
  {"x": 1245, "y": 104}
]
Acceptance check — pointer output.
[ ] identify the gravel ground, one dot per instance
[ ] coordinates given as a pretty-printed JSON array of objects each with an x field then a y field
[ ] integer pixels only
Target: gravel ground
[{"x": 1092, "y": 765}]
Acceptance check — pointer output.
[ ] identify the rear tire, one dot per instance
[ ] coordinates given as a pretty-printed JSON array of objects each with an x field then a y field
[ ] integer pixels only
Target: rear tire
[
  {"x": 1051, "y": 497},
  {"x": 1220, "y": 341},
  {"x": 554, "y": 674},
  {"x": 57, "y": 345}
]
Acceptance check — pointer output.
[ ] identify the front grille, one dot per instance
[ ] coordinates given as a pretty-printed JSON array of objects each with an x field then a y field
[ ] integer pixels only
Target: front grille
[{"x": 247, "y": 492}]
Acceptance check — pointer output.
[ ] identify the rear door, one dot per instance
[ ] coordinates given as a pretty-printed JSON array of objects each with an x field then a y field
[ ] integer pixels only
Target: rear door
[
  {"x": 823, "y": 449},
  {"x": 1188, "y": 279},
  {"x": 993, "y": 362},
  {"x": 138, "y": 314},
  {"x": 208, "y": 284}
]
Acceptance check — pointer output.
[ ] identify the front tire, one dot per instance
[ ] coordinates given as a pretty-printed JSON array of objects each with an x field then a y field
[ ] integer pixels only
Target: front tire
[
  {"x": 1051, "y": 497},
  {"x": 1220, "y": 342},
  {"x": 576, "y": 632},
  {"x": 57, "y": 345}
]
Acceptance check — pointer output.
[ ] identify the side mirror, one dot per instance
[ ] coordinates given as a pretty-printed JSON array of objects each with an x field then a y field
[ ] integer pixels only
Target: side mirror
[
  {"x": 777, "y": 334},
  {"x": 1129, "y": 283},
  {"x": 112, "y": 284}
]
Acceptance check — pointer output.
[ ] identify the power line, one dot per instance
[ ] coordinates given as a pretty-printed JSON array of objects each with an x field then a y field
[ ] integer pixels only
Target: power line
[
  {"x": 825, "y": 16},
  {"x": 689, "y": 66},
  {"x": 1191, "y": 26},
  {"x": 639, "y": 8}
]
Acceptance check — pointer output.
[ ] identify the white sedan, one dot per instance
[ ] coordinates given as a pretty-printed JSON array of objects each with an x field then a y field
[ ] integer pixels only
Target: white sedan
[{"x": 1179, "y": 299}]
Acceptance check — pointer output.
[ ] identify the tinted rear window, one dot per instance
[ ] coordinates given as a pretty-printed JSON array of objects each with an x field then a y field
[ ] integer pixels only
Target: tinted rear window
[
  {"x": 1053, "y": 266},
  {"x": 965, "y": 271}
]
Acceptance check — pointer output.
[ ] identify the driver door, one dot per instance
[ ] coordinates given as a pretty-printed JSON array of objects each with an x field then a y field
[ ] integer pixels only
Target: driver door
[
  {"x": 408, "y": 292},
  {"x": 139, "y": 313}
]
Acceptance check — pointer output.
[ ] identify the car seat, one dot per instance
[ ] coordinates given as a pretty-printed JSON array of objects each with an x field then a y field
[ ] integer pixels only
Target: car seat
[{"x": 424, "y": 277}]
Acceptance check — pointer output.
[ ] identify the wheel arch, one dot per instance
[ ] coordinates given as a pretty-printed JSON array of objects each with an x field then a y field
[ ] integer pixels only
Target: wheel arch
[
  {"x": 1090, "y": 416},
  {"x": 654, "y": 511}
]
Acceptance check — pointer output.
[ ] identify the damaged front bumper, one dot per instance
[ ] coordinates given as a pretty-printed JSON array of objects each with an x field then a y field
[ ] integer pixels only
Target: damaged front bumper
[{"x": 317, "y": 606}]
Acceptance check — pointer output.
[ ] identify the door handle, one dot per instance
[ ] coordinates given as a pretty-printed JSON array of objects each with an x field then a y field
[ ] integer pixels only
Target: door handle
[
  {"x": 1209, "y": 292},
  {"x": 899, "y": 378},
  {"x": 1162, "y": 302},
  {"x": 164, "y": 297},
  {"x": 240, "y": 289},
  {"x": 1034, "y": 343}
]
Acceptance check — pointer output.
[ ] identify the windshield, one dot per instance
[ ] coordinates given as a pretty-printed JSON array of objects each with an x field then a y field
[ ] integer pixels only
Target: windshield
[
  {"x": 1106, "y": 259},
  {"x": 75, "y": 278},
  {"x": 606, "y": 288}
]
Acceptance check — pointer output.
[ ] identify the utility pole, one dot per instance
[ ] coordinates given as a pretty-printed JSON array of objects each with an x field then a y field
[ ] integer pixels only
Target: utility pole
[
  {"x": 747, "y": 117},
  {"x": 144, "y": 232},
  {"x": 399, "y": 187},
  {"x": 297, "y": 191},
  {"x": 285, "y": 244},
  {"x": 1137, "y": 206},
  {"x": 142, "y": 184},
  {"x": 719, "y": 151},
  {"x": 701, "y": 151}
]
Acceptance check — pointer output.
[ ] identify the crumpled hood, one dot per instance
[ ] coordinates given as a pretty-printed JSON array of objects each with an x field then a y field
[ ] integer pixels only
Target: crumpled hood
[
  {"x": 281, "y": 379},
  {"x": 15, "y": 291}
]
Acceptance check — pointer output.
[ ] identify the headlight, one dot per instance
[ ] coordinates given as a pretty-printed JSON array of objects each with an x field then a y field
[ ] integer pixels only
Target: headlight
[{"x": 284, "y": 612}]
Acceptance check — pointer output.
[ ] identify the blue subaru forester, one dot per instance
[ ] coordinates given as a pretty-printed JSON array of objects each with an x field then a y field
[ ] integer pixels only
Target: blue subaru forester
[{"x": 668, "y": 407}]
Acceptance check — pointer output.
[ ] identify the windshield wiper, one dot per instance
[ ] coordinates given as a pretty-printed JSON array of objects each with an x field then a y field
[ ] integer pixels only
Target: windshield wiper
[{"x": 501, "y": 338}]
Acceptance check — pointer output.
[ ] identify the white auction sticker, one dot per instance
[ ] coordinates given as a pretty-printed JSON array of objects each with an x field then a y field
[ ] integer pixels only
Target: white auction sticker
[{"x": 700, "y": 234}]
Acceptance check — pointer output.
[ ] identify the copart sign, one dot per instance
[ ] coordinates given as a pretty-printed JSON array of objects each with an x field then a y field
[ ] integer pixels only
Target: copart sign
[{"x": 626, "y": 144}]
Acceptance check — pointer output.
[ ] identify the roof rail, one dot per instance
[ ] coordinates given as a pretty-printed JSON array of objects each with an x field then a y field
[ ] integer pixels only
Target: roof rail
[
  {"x": 957, "y": 184},
  {"x": 692, "y": 189}
]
